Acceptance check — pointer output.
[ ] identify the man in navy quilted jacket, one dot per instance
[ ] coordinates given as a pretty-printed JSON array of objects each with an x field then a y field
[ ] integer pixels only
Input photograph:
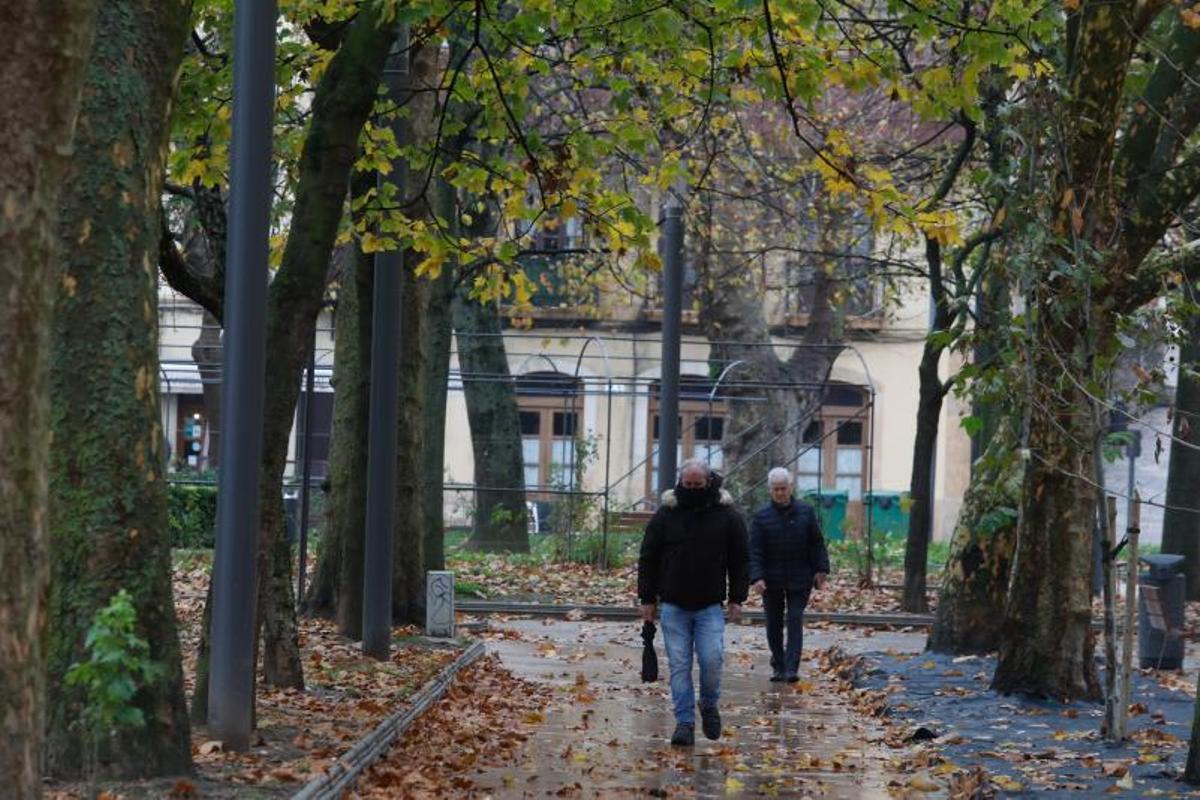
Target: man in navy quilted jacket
[{"x": 788, "y": 559}]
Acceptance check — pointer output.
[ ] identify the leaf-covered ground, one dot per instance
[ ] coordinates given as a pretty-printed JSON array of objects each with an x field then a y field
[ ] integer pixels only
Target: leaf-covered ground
[
  {"x": 948, "y": 731},
  {"x": 299, "y": 733},
  {"x": 543, "y": 578},
  {"x": 598, "y": 731},
  {"x": 483, "y": 721}
]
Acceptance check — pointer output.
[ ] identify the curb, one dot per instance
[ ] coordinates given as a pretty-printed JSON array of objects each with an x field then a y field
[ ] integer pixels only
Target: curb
[
  {"x": 345, "y": 771},
  {"x": 878, "y": 620}
]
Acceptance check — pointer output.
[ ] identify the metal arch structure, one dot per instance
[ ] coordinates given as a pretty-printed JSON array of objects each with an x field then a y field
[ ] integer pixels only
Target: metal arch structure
[
  {"x": 615, "y": 385},
  {"x": 608, "y": 406},
  {"x": 868, "y": 522}
]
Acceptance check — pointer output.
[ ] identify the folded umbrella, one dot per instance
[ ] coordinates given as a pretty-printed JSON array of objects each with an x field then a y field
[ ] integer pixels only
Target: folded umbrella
[{"x": 649, "y": 657}]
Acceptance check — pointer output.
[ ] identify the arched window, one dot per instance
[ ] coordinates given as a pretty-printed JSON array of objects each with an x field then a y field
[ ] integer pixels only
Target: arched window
[
  {"x": 701, "y": 427},
  {"x": 836, "y": 454},
  {"x": 551, "y": 407}
]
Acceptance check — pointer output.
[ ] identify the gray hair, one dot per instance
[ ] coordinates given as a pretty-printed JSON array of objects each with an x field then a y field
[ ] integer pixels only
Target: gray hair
[
  {"x": 779, "y": 475},
  {"x": 694, "y": 463}
]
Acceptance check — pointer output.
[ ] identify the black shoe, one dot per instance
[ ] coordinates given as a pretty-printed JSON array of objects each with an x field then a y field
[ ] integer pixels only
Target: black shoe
[
  {"x": 777, "y": 676},
  {"x": 710, "y": 720},
  {"x": 685, "y": 735},
  {"x": 792, "y": 677}
]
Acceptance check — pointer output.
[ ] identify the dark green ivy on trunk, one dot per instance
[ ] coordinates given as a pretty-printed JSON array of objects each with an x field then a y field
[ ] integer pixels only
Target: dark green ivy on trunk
[
  {"x": 975, "y": 582},
  {"x": 499, "y": 523},
  {"x": 108, "y": 493},
  {"x": 1181, "y": 524}
]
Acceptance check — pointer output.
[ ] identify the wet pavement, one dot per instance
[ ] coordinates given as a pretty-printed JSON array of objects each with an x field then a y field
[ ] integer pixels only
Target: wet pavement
[{"x": 607, "y": 733}]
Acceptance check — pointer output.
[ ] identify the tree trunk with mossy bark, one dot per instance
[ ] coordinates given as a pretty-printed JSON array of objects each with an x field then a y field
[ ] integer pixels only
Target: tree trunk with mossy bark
[
  {"x": 343, "y": 101},
  {"x": 765, "y": 427},
  {"x": 1047, "y": 644},
  {"x": 499, "y": 522},
  {"x": 930, "y": 394},
  {"x": 341, "y": 566},
  {"x": 408, "y": 568},
  {"x": 41, "y": 75},
  {"x": 437, "y": 339},
  {"x": 1181, "y": 524},
  {"x": 408, "y": 532},
  {"x": 108, "y": 490},
  {"x": 1122, "y": 178},
  {"x": 340, "y": 559},
  {"x": 975, "y": 583}
]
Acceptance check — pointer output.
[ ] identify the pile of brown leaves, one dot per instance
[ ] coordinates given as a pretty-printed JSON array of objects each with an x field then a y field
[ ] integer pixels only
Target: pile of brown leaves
[
  {"x": 498, "y": 576},
  {"x": 482, "y": 721},
  {"x": 299, "y": 732},
  {"x": 501, "y": 577}
]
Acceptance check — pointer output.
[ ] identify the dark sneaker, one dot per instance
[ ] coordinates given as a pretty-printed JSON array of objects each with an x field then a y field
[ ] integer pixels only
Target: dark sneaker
[
  {"x": 792, "y": 677},
  {"x": 710, "y": 722},
  {"x": 777, "y": 676},
  {"x": 685, "y": 735}
]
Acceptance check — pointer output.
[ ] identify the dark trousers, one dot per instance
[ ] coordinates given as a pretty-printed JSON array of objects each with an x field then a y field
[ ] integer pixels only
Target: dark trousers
[{"x": 777, "y": 603}]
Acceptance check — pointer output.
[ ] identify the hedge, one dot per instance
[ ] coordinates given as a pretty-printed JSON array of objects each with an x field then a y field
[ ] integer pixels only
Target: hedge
[{"x": 192, "y": 515}]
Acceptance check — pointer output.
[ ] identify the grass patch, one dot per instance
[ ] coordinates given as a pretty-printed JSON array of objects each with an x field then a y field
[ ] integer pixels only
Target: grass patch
[
  {"x": 469, "y": 589},
  {"x": 887, "y": 553},
  {"x": 189, "y": 558}
]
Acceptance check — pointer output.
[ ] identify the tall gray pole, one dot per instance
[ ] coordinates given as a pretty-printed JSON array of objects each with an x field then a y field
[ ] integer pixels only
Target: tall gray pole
[
  {"x": 384, "y": 399},
  {"x": 231, "y": 661},
  {"x": 672, "y": 322}
]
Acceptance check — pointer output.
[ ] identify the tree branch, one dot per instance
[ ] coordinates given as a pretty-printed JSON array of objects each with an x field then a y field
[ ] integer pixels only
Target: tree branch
[
  {"x": 184, "y": 278},
  {"x": 1154, "y": 277},
  {"x": 1152, "y": 138},
  {"x": 1145, "y": 13},
  {"x": 956, "y": 164},
  {"x": 1157, "y": 209}
]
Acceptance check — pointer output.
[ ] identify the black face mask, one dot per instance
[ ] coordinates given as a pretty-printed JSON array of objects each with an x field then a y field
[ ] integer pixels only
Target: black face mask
[{"x": 691, "y": 497}]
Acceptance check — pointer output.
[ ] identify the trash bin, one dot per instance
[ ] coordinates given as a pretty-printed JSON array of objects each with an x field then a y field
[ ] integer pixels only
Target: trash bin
[
  {"x": 1159, "y": 649},
  {"x": 889, "y": 513},
  {"x": 831, "y": 510}
]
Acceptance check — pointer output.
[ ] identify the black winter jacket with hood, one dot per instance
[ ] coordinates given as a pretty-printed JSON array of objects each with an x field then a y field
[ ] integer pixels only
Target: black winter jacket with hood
[{"x": 689, "y": 553}]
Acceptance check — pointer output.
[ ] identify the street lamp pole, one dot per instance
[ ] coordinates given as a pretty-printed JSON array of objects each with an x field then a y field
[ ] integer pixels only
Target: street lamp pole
[
  {"x": 672, "y": 324},
  {"x": 384, "y": 399},
  {"x": 231, "y": 660}
]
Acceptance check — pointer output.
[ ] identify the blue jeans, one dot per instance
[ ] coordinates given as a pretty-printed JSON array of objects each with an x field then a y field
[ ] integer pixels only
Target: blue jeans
[{"x": 703, "y": 632}]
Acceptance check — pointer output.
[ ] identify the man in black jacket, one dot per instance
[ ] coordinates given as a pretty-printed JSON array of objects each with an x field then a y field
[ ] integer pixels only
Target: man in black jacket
[
  {"x": 693, "y": 545},
  {"x": 787, "y": 559}
]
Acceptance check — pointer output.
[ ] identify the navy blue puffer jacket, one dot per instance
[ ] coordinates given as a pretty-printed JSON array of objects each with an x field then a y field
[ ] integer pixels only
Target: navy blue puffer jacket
[{"x": 786, "y": 546}]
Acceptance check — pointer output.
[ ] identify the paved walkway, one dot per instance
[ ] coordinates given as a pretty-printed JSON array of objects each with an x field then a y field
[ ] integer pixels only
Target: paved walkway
[{"x": 607, "y": 734}]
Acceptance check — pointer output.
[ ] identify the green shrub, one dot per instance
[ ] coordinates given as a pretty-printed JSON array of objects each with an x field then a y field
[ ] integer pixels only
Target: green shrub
[
  {"x": 851, "y": 554},
  {"x": 192, "y": 515},
  {"x": 118, "y": 663}
]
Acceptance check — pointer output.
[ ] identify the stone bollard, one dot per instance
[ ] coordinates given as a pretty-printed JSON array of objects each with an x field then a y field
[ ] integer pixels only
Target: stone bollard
[{"x": 439, "y": 603}]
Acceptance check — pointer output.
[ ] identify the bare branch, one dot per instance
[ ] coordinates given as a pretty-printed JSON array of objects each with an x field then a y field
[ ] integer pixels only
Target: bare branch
[
  {"x": 1155, "y": 276},
  {"x": 184, "y": 278}
]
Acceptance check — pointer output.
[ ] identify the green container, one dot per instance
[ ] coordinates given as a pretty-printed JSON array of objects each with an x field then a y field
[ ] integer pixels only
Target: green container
[
  {"x": 831, "y": 510},
  {"x": 889, "y": 513}
]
